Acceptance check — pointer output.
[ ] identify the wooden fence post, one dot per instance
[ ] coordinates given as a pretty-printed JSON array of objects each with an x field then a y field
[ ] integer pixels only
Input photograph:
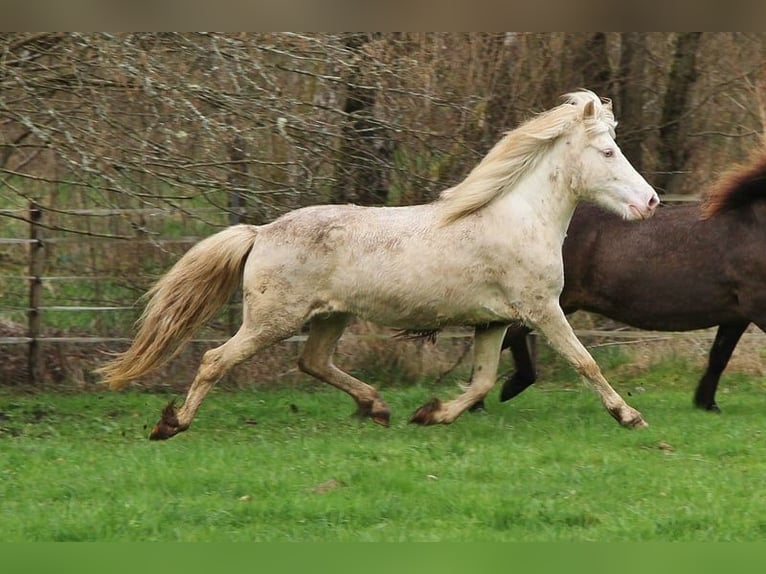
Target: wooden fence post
[{"x": 36, "y": 262}]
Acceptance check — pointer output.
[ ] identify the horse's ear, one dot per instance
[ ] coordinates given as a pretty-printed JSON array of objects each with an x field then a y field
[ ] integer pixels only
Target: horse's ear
[
  {"x": 607, "y": 103},
  {"x": 589, "y": 110}
]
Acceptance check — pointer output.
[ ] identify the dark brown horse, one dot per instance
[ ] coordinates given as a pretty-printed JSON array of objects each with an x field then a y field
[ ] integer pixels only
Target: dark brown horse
[{"x": 689, "y": 267}]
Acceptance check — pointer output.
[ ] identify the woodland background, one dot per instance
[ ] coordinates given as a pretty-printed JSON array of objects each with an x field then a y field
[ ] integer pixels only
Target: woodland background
[{"x": 118, "y": 151}]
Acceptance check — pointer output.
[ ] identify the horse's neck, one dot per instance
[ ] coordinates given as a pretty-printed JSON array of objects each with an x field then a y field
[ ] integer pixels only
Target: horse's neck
[{"x": 545, "y": 196}]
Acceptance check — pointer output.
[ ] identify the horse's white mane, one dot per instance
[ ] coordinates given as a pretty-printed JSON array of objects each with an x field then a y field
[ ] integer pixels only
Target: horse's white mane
[{"x": 519, "y": 150}]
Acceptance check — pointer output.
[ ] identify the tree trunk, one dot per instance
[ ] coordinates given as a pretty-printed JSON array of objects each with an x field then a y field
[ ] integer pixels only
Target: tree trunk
[
  {"x": 630, "y": 101},
  {"x": 500, "y": 113},
  {"x": 673, "y": 150},
  {"x": 592, "y": 61},
  {"x": 365, "y": 151},
  {"x": 238, "y": 176}
]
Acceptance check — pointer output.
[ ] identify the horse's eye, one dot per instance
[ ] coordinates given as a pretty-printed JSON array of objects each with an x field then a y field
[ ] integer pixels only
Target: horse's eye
[{"x": 609, "y": 152}]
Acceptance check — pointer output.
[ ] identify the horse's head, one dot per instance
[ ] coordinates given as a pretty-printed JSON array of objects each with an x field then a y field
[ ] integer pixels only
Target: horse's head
[
  {"x": 601, "y": 173},
  {"x": 577, "y": 137}
]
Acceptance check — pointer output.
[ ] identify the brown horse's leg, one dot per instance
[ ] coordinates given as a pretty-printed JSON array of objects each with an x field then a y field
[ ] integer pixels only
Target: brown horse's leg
[
  {"x": 215, "y": 363},
  {"x": 524, "y": 376},
  {"x": 486, "y": 353},
  {"x": 726, "y": 339},
  {"x": 316, "y": 360},
  {"x": 517, "y": 339},
  {"x": 555, "y": 327}
]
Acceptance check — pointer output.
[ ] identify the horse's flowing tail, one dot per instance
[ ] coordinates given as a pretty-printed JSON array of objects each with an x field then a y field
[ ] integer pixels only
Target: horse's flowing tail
[{"x": 187, "y": 296}]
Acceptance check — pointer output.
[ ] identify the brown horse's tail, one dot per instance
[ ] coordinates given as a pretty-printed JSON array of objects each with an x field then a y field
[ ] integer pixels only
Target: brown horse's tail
[{"x": 188, "y": 295}]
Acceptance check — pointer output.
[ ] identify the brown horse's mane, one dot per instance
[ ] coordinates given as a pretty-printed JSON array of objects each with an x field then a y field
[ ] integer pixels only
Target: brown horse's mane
[{"x": 738, "y": 188}]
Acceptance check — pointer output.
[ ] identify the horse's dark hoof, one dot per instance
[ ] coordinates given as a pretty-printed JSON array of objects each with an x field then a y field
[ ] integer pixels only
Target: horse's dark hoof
[
  {"x": 376, "y": 410},
  {"x": 628, "y": 417},
  {"x": 710, "y": 407},
  {"x": 161, "y": 431},
  {"x": 636, "y": 423},
  {"x": 478, "y": 407},
  {"x": 168, "y": 425},
  {"x": 515, "y": 385},
  {"x": 425, "y": 414},
  {"x": 383, "y": 418}
]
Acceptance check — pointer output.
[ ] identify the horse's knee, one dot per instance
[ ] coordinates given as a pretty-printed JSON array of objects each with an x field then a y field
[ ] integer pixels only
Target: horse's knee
[{"x": 211, "y": 365}]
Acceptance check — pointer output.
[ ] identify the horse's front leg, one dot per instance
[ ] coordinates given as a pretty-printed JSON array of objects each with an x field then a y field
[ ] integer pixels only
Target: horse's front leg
[
  {"x": 555, "y": 327},
  {"x": 517, "y": 339},
  {"x": 486, "y": 353}
]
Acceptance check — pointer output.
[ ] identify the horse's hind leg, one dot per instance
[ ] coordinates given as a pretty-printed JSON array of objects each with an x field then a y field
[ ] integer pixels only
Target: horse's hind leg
[
  {"x": 555, "y": 327},
  {"x": 215, "y": 364},
  {"x": 726, "y": 339},
  {"x": 486, "y": 356},
  {"x": 316, "y": 360}
]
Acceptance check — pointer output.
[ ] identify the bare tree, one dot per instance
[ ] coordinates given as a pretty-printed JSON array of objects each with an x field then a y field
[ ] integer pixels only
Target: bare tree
[
  {"x": 674, "y": 150},
  {"x": 591, "y": 63},
  {"x": 630, "y": 101},
  {"x": 365, "y": 148}
]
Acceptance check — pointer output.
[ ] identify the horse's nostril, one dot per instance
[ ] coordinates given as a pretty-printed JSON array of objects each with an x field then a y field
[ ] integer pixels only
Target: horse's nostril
[{"x": 654, "y": 201}]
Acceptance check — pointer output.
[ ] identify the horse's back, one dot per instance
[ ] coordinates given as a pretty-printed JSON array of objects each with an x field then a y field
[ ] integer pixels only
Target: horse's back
[{"x": 668, "y": 272}]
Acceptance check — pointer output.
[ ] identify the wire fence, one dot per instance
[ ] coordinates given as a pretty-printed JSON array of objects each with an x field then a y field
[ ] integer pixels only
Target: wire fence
[{"x": 85, "y": 322}]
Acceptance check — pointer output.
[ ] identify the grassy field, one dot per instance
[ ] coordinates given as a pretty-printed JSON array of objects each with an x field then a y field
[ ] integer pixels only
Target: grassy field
[{"x": 291, "y": 465}]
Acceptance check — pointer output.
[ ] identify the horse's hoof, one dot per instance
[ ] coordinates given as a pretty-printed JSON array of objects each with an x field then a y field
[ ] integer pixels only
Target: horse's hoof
[
  {"x": 711, "y": 408},
  {"x": 701, "y": 401},
  {"x": 425, "y": 414},
  {"x": 162, "y": 431},
  {"x": 478, "y": 407},
  {"x": 638, "y": 423},
  {"x": 633, "y": 421},
  {"x": 628, "y": 417},
  {"x": 512, "y": 387},
  {"x": 382, "y": 418},
  {"x": 168, "y": 425},
  {"x": 376, "y": 410}
]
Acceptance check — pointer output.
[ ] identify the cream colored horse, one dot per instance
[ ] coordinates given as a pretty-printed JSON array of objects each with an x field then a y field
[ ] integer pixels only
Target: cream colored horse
[{"x": 486, "y": 253}]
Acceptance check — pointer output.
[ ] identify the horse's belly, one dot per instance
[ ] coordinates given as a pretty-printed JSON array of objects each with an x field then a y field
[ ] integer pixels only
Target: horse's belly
[
  {"x": 433, "y": 312},
  {"x": 664, "y": 313}
]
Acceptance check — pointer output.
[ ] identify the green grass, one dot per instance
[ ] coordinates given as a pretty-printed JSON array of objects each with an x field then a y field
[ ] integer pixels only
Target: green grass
[{"x": 290, "y": 464}]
